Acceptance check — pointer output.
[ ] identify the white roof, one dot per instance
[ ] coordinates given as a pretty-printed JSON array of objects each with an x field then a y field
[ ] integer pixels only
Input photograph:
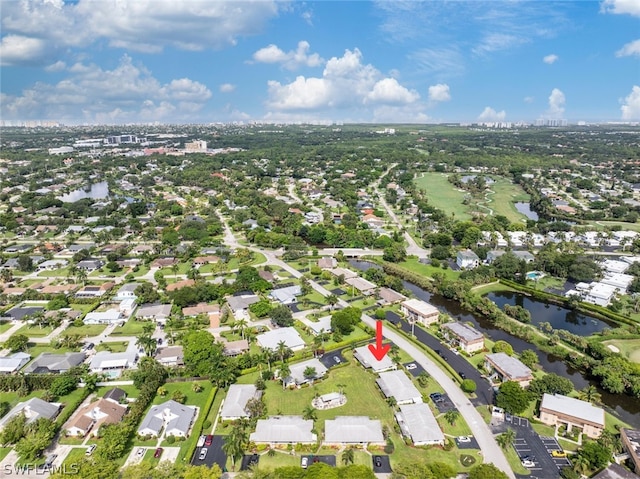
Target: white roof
[
  {"x": 284, "y": 429},
  {"x": 419, "y": 306},
  {"x": 573, "y": 407},
  {"x": 396, "y": 384},
  {"x": 602, "y": 290},
  {"x": 286, "y": 295},
  {"x": 100, "y": 316},
  {"x": 512, "y": 367},
  {"x": 109, "y": 360},
  {"x": 368, "y": 360},
  {"x": 418, "y": 422},
  {"x": 463, "y": 331},
  {"x": 322, "y": 324},
  {"x": 289, "y": 335},
  {"x": 236, "y": 400},
  {"x": 297, "y": 370},
  {"x": 347, "y": 273},
  {"x": 360, "y": 284},
  {"x": 352, "y": 430}
]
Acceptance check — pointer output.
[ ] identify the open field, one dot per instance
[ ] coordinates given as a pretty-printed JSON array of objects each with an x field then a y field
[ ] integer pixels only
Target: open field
[
  {"x": 600, "y": 225},
  {"x": 412, "y": 264},
  {"x": 443, "y": 195},
  {"x": 505, "y": 195},
  {"x": 629, "y": 348}
]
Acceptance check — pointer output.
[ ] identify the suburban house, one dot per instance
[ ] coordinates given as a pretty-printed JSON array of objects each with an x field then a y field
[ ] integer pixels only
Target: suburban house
[
  {"x": 235, "y": 348},
  {"x": 364, "y": 355},
  {"x": 103, "y": 317},
  {"x": 342, "y": 272},
  {"x": 91, "y": 291},
  {"x": 556, "y": 409},
  {"x": 170, "y": 356},
  {"x": 467, "y": 338},
  {"x": 322, "y": 325},
  {"x": 419, "y": 311},
  {"x": 179, "y": 285},
  {"x": 417, "y": 422},
  {"x": 525, "y": 256},
  {"x": 344, "y": 430},
  {"x": 615, "y": 471},
  {"x": 467, "y": 259},
  {"x": 396, "y": 384},
  {"x": 55, "y": 363},
  {"x": 175, "y": 418},
  {"x": 33, "y": 409},
  {"x": 127, "y": 306},
  {"x": 327, "y": 262},
  {"x": 94, "y": 415},
  {"x": 200, "y": 308},
  {"x": 156, "y": 312},
  {"x": 235, "y": 404},
  {"x": 296, "y": 376},
  {"x": 126, "y": 291},
  {"x": 90, "y": 265},
  {"x": 389, "y": 296},
  {"x": 52, "y": 264},
  {"x": 239, "y": 305},
  {"x": 631, "y": 443},
  {"x": 112, "y": 364},
  {"x": 362, "y": 285},
  {"x": 13, "y": 363},
  {"x": 507, "y": 368},
  {"x": 289, "y": 336},
  {"x": 116, "y": 395},
  {"x": 202, "y": 260},
  {"x": 284, "y": 430},
  {"x": 286, "y": 295}
]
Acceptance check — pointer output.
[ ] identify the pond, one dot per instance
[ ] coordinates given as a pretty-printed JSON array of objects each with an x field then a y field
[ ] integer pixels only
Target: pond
[
  {"x": 525, "y": 209},
  {"x": 624, "y": 406},
  {"x": 557, "y": 316},
  {"x": 96, "y": 191}
]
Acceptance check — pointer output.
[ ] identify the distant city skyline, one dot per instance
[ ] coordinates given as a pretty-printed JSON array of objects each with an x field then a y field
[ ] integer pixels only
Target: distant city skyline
[{"x": 167, "y": 61}]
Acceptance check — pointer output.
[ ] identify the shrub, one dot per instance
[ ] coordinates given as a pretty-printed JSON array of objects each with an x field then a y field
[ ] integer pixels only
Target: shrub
[
  {"x": 468, "y": 386},
  {"x": 171, "y": 439},
  {"x": 206, "y": 424}
]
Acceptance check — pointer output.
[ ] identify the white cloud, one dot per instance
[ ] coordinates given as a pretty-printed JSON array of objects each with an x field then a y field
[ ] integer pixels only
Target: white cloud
[
  {"x": 493, "y": 42},
  {"x": 17, "y": 49},
  {"x": 443, "y": 62},
  {"x": 139, "y": 25},
  {"x": 551, "y": 59},
  {"x": 489, "y": 114},
  {"x": 227, "y": 88},
  {"x": 346, "y": 82},
  {"x": 556, "y": 103},
  {"x": 290, "y": 60},
  {"x": 439, "y": 92},
  {"x": 528, "y": 99},
  {"x": 630, "y": 49},
  {"x": 631, "y": 107},
  {"x": 56, "y": 67},
  {"x": 631, "y": 7},
  {"x": 126, "y": 93}
]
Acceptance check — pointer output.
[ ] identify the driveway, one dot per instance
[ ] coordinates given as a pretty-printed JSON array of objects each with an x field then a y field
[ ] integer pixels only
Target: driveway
[
  {"x": 215, "y": 454},
  {"x": 414, "y": 368},
  {"x": 329, "y": 460},
  {"x": 385, "y": 465},
  {"x": 332, "y": 358}
]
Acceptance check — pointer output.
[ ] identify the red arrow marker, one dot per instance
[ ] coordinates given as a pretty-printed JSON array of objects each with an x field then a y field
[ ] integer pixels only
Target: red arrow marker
[{"x": 379, "y": 351}]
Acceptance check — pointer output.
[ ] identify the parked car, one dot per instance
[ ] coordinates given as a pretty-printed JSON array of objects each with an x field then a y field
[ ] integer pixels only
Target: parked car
[
  {"x": 140, "y": 452},
  {"x": 201, "y": 440},
  {"x": 203, "y": 453},
  {"x": 528, "y": 464},
  {"x": 558, "y": 453},
  {"x": 377, "y": 460},
  {"x": 208, "y": 440},
  {"x": 411, "y": 366},
  {"x": 464, "y": 439},
  {"x": 337, "y": 359},
  {"x": 462, "y": 375},
  {"x": 304, "y": 463},
  {"x": 158, "y": 452},
  {"x": 90, "y": 449}
]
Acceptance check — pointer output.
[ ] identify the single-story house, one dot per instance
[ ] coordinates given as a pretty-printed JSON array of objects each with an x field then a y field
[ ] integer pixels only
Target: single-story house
[
  {"x": 631, "y": 443},
  {"x": 286, "y": 295},
  {"x": 94, "y": 415},
  {"x": 33, "y": 409},
  {"x": 200, "y": 308},
  {"x": 235, "y": 348},
  {"x": 170, "y": 356},
  {"x": 345, "y": 430},
  {"x": 345, "y": 273},
  {"x": 322, "y": 325},
  {"x": 52, "y": 264},
  {"x": 296, "y": 375},
  {"x": 55, "y": 363},
  {"x": 175, "y": 418},
  {"x": 289, "y": 336},
  {"x": 467, "y": 259},
  {"x": 494, "y": 255},
  {"x": 368, "y": 360},
  {"x": 163, "y": 262},
  {"x": 103, "y": 317},
  {"x": 507, "y": 368},
  {"x": 556, "y": 409},
  {"x": 18, "y": 313},
  {"x": 116, "y": 395},
  {"x": 389, "y": 296},
  {"x": 154, "y": 311},
  {"x": 91, "y": 291},
  {"x": 235, "y": 403},
  {"x": 284, "y": 430},
  {"x": 396, "y": 384},
  {"x": 202, "y": 260},
  {"x": 327, "y": 262},
  {"x": 524, "y": 255},
  {"x": 179, "y": 285},
  {"x": 126, "y": 291},
  {"x": 419, "y": 311},
  {"x": 469, "y": 339},
  {"x": 361, "y": 284},
  {"x": 113, "y": 364},
  {"x": 417, "y": 422},
  {"x": 239, "y": 305},
  {"x": 90, "y": 265},
  {"x": 13, "y": 363}
]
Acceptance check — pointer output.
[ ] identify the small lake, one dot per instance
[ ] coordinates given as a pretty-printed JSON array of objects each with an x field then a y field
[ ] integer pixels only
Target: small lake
[
  {"x": 525, "y": 209},
  {"x": 557, "y": 316},
  {"x": 97, "y": 191}
]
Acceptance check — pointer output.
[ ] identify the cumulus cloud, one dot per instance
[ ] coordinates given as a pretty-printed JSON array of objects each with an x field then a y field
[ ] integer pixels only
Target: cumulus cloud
[
  {"x": 631, "y": 7},
  {"x": 630, "y": 49},
  {"x": 56, "y": 67},
  {"x": 129, "y": 92},
  {"x": 439, "y": 92},
  {"x": 551, "y": 59},
  {"x": 631, "y": 106},
  {"x": 227, "y": 88},
  {"x": 138, "y": 25},
  {"x": 556, "y": 103},
  {"x": 18, "y": 49},
  {"x": 290, "y": 60},
  {"x": 489, "y": 114},
  {"x": 346, "y": 82}
]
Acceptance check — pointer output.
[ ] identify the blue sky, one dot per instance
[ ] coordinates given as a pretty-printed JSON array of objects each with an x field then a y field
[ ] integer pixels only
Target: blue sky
[{"x": 126, "y": 61}]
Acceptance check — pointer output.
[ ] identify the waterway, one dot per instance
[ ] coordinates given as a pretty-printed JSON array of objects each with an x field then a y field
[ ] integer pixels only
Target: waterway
[
  {"x": 97, "y": 191},
  {"x": 525, "y": 209},
  {"x": 624, "y": 406}
]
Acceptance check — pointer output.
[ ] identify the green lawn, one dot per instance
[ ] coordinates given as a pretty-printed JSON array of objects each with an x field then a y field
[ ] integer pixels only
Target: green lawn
[
  {"x": 133, "y": 327},
  {"x": 515, "y": 462},
  {"x": 502, "y": 201},
  {"x": 74, "y": 456},
  {"x": 414, "y": 265},
  {"x": 35, "y": 331},
  {"x": 36, "y": 349},
  {"x": 130, "y": 389},
  {"x": 629, "y": 348},
  {"x": 56, "y": 273},
  {"x": 608, "y": 224},
  {"x": 4, "y": 451},
  {"x": 115, "y": 347},
  {"x": 142, "y": 270},
  {"x": 5, "y": 326},
  {"x": 89, "y": 330},
  {"x": 443, "y": 195}
]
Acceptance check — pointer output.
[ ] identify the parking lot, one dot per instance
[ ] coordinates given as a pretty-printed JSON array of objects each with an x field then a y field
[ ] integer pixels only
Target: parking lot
[
  {"x": 414, "y": 369},
  {"x": 442, "y": 402},
  {"x": 332, "y": 358},
  {"x": 552, "y": 445},
  {"x": 215, "y": 454},
  {"x": 472, "y": 444}
]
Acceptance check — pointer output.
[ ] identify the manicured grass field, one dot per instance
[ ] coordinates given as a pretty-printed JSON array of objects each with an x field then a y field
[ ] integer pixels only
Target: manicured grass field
[
  {"x": 35, "y": 331},
  {"x": 5, "y": 326},
  {"x": 416, "y": 266},
  {"x": 115, "y": 347},
  {"x": 443, "y": 195},
  {"x": 629, "y": 348},
  {"x": 133, "y": 327},
  {"x": 4, "y": 451},
  {"x": 607, "y": 224},
  {"x": 89, "y": 330},
  {"x": 75, "y": 455},
  {"x": 502, "y": 201}
]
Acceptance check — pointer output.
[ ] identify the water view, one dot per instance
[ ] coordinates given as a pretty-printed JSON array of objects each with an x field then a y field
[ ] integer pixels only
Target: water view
[
  {"x": 97, "y": 191},
  {"x": 525, "y": 209}
]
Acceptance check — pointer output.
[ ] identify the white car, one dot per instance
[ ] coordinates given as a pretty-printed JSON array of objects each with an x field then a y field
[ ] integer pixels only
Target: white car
[
  {"x": 140, "y": 452},
  {"x": 90, "y": 449},
  {"x": 304, "y": 463},
  {"x": 411, "y": 366},
  {"x": 464, "y": 439},
  {"x": 528, "y": 464},
  {"x": 203, "y": 453}
]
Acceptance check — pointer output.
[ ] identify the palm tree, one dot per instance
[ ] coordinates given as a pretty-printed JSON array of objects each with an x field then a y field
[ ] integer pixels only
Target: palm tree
[
  {"x": 391, "y": 401},
  {"x": 332, "y": 300},
  {"x": 590, "y": 394},
  {"x": 505, "y": 440},
  {"x": 147, "y": 343},
  {"x": 282, "y": 350},
  {"x": 240, "y": 325},
  {"x": 452, "y": 416},
  {"x": 348, "y": 456},
  {"x": 581, "y": 464},
  {"x": 423, "y": 379},
  {"x": 284, "y": 373},
  {"x": 235, "y": 443},
  {"x": 309, "y": 413},
  {"x": 81, "y": 276}
]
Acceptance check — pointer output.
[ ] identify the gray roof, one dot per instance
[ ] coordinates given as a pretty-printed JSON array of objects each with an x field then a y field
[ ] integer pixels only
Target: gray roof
[
  {"x": 33, "y": 409},
  {"x": 154, "y": 310},
  {"x": 417, "y": 421},
  {"x": 468, "y": 254},
  {"x": 9, "y": 364},
  {"x": 323, "y": 323},
  {"x": 50, "y": 362},
  {"x": 360, "y": 284},
  {"x": 297, "y": 370},
  {"x": 397, "y": 384},
  {"x": 510, "y": 366},
  {"x": 390, "y": 295},
  {"x": 237, "y": 303},
  {"x": 286, "y": 295},
  {"x": 179, "y": 417},
  {"x": 115, "y": 394},
  {"x": 20, "y": 313},
  {"x": 352, "y": 430},
  {"x": 128, "y": 288},
  {"x": 463, "y": 331},
  {"x": 236, "y": 400},
  {"x": 368, "y": 360},
  {"x": 289, "y": 335},
  {"x": 284, "y": 430},
  {"x": 109, "y": 360},
  {"x": 615, "y": 471},
  {"x": 573, "y": 407}
]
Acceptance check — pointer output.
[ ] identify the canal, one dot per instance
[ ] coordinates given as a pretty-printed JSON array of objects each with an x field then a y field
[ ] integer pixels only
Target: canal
[{"x": 624, "y": 406}]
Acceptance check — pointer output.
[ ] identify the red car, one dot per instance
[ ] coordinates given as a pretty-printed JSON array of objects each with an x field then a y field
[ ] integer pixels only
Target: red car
[
  {"x": 208, "y": 440},
  {"x": 158, "y": 452}
]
